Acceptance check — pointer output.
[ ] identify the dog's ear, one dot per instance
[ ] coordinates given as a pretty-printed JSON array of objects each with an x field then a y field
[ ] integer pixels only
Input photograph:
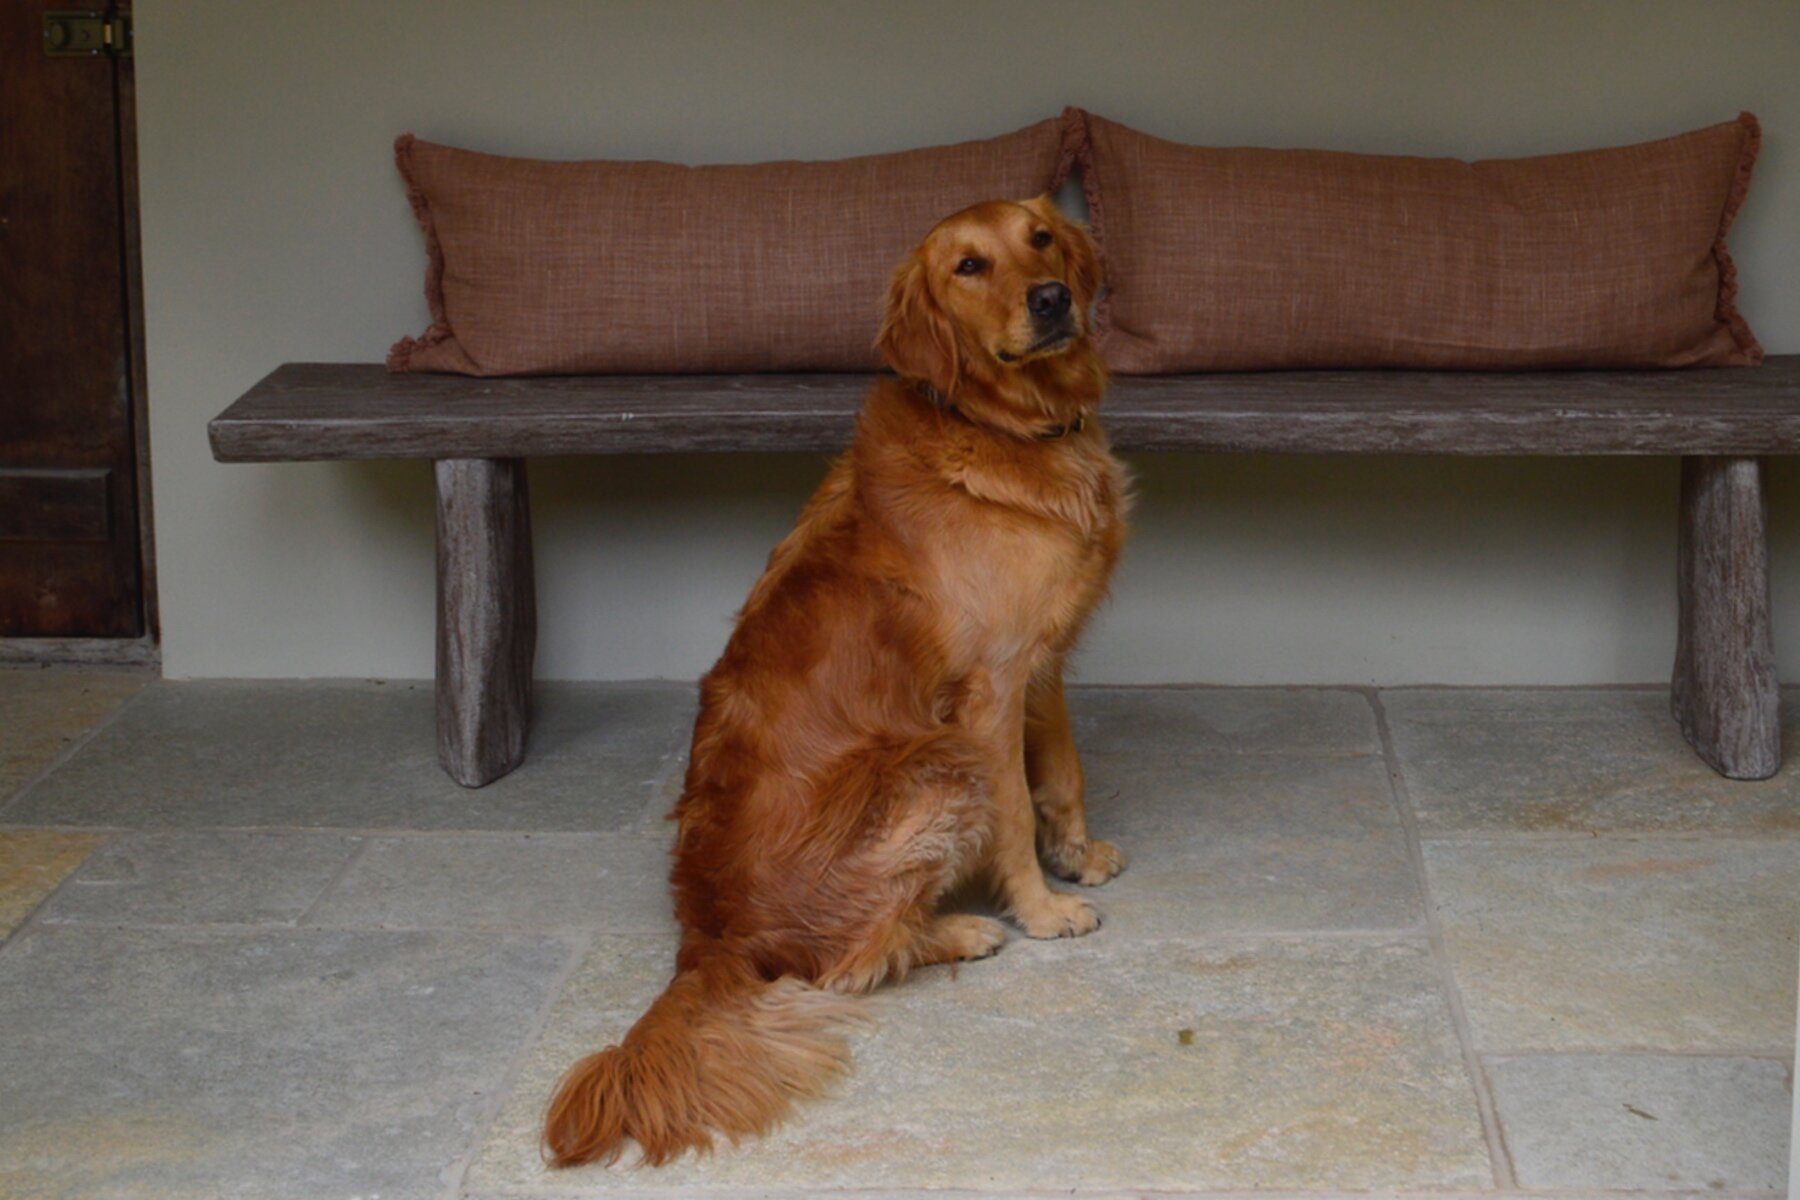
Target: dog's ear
[
  {"x": 1085, "y": 278},
  {"x": 916, "y": 338},
  {"x": 1078, "y": 247}
]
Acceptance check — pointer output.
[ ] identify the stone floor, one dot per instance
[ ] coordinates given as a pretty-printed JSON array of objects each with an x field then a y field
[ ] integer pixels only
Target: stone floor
[{"x": 1421, "y": 941}]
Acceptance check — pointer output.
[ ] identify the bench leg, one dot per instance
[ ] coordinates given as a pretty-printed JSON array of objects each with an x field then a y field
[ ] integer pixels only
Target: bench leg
[
  {"x": 1725, "y": 694},
  {"x": 486, "y": 619}
]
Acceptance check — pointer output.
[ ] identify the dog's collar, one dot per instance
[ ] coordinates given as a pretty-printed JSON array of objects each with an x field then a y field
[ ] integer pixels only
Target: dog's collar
[{"x": 1049, "y": 434}]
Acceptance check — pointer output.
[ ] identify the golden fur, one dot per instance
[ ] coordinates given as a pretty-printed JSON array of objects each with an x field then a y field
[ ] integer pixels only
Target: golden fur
[{"x": 887, "y": 719}]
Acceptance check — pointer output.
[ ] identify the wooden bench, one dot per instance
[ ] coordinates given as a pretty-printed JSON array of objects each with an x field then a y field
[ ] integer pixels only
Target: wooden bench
[{"x": 481, "y": 431}]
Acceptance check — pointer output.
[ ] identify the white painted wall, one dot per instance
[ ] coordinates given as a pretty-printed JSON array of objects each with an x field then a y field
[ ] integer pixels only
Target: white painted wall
[
  {"x": 1793, "y": 1188},
  {"x": 276, "y": 230}
]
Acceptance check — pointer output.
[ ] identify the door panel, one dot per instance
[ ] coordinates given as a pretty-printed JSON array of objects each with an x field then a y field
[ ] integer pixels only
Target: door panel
[
  {"x": 55, "y": 506},
  {"x": 69, "y": 556}
]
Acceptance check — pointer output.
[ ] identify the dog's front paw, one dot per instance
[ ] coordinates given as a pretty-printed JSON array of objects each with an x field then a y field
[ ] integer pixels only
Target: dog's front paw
[
  {"x": 1060, "y": 916},
  {"x": 1087, "y": 863}
]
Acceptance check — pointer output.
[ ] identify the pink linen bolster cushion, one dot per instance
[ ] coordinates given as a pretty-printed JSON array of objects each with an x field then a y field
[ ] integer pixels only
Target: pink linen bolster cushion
[
  {"x": 1248, "y": 259},
  {"x": 644, "y": 267}
]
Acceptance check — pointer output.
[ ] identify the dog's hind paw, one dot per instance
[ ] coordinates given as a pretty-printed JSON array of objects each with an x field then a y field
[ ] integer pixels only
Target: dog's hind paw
[
  {"x": 1104, "y": 860},
  {"x": 1087, "y": 863}
]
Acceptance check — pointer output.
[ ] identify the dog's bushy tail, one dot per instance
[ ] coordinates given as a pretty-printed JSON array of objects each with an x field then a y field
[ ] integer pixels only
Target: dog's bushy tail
[{"x": 721, "y": 1052}]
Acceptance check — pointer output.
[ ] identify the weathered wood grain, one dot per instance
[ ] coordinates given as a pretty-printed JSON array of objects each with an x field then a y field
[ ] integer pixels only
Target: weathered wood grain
[
  {"x": 1725, "y": 694},
  {"x": 69, "y": 504},
  {"x": 66, "y": 400},
  {"x": 487, "y": 617},
  {"x": 81, "y": 652},
  {"x": 354, "y": 410}
]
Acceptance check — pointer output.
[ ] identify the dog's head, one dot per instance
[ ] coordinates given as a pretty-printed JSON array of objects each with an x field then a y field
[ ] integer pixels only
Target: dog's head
[{"x": 992, "y": 289}]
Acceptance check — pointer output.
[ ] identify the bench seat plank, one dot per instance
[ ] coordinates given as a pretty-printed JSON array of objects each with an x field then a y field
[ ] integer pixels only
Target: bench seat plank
[{"x": 310, "y": 411}]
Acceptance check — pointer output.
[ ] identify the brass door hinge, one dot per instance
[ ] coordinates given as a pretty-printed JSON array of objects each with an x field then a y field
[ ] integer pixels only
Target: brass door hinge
[{"x": 87, "y": 33}]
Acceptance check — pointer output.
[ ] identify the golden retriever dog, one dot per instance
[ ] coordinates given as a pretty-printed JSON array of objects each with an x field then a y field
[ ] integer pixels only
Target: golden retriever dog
[{"x": 888, "y": 719}]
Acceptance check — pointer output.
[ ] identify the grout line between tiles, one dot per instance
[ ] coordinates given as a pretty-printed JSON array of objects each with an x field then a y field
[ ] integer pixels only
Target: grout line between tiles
[
  {"x": 337, "y": 876},
  {"x": 1076, "y": 685},
  {"x": 1499, "y": 1156},
  {"x": 75, "y": 745},
  {"x": 1779, "y": 1054},
  {"x": 1546, "y": 837},
  {"x": 34, "y": 917},
  {"x": 1364, "y": 688},
  {"x": 1653, "y": 686},
  {"x": 456, "y": 1174}
]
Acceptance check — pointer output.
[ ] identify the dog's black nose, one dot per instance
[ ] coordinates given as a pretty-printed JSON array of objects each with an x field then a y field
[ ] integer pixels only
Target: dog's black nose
[{"x": 1047, "y": 301}]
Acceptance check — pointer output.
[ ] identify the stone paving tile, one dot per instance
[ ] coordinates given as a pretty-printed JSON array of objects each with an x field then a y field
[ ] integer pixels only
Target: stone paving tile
[
  {"x": 359, "y": 754},
  {"x": 309, "y": 1064},
  {"x": 44, "y": 711},
  {"x": 202, "y": 878},
  {"x": 1645, "y": 1122},
  {"x": 32, "y": 863},
  {"x": 1251, "y": 843},
  {"x": 1283, "y": 885},
  {"x": 612, "y": 883},
  {"x": 1238, "y": 795},
  {"x": 1062, "y": 1065},
  {"x": 1189, "y": 722},
  {"x": 1671, "y": 944},
  {"x": 1535, "y": 760}
]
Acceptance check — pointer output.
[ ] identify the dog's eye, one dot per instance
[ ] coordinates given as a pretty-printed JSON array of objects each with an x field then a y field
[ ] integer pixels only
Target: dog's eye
[
  {"x": 971, "y": 266},
  {"x": 1041, "y": 238}
]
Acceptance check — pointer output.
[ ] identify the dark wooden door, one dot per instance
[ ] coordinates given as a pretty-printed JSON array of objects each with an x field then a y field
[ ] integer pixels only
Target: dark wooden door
[{"x": 70, "y": 565}]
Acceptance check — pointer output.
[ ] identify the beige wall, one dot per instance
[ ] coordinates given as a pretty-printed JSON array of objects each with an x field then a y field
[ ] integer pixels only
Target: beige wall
[{"x": 275, "y": 230}]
